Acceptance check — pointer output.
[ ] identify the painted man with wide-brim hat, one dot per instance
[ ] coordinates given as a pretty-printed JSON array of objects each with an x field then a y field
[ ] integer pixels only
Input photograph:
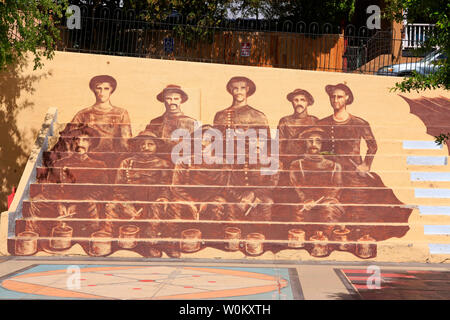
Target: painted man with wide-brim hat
[
  {"x": 317, "y": 182},
  {"x": 362, "y": 186},
  {"x": 111, "y": 122},
  {"x": 76, "y": 166},
  {"x": 207, "y": 202},
  {"x": 240, "y": 115},
  {"x": 292, "y": 125},
  {"x": 347, "y": 130},
  {"x": 143, "y": 167},
  {"x": 173, "y": 96}
]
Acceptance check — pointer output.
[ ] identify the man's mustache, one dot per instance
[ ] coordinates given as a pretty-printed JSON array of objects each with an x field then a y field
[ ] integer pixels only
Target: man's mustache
[{"x": 78, "y": 148}]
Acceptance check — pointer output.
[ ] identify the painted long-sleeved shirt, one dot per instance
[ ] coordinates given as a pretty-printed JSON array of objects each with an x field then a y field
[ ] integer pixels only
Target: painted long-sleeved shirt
[{"x": 345, "y": 139}]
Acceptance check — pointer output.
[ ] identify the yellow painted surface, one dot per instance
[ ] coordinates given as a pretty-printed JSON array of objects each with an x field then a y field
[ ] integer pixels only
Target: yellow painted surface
[{"x": 63, "y": 83}]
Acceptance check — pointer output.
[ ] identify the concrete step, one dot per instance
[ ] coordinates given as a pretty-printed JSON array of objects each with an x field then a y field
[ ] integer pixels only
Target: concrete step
[
  {"x": 285, "y": 212},
  {"x": 65, "y": 191},
  {"x": 107, "y": 245}
]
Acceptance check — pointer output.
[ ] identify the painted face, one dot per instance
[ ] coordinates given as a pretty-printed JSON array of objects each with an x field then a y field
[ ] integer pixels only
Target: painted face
[
  {"x": 338, "y": 99},
  {"x": 82, "y": 144},
  {"x": 172, "y": 102},
  {"x": 239, "y": 90},
  {"x": 314, "y": 143},
  {"x": 299, "y": 102},
  {"x": 148, "y": 146},
  {"x": 103, "y": 91}
]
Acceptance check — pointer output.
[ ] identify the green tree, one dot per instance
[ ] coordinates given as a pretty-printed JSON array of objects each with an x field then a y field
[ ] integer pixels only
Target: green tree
[
  {"x": 335, "y": 12},
  {"x": 437, "y": 12},
  {"x": 29, "y": 26}
]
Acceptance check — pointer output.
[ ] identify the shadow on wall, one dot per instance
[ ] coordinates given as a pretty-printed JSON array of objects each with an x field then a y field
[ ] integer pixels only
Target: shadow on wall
[{"x": 15, "y": 144}]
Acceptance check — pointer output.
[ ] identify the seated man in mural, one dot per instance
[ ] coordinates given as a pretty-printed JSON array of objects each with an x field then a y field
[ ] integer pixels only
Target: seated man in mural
[
  {"x": 173, "y": 118},
  {"x": 292, "y": 125},
  {"x": 146, "y": 169},
  {"x": 200, "y": 186},
  {"x": 317, "y": 183},
  {"x": 346, "y": 132},
  {"x": 251, "y": 191},
  {"x": 82, "y": 138},
  {"x": 111, "y": 122}
]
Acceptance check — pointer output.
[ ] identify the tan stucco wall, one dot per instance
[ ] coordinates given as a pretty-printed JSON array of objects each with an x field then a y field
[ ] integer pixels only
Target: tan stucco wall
[{"x": 63, "y": 83}]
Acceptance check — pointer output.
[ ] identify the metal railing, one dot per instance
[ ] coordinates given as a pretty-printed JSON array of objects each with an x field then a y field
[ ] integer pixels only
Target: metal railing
[
  {"x": 416, "y": 34},
  {"x": 280, "y": 44}
]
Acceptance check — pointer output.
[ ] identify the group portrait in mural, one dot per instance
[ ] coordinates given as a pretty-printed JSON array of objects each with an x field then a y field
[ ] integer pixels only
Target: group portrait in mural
[{"x": 322, "y": 197}]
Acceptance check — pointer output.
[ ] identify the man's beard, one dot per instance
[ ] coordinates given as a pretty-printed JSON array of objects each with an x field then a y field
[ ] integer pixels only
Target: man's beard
[
  {"x": 79, "y": 150},
  {"x": 174, "y": 110},
  {"x": 147, "y": 154}
]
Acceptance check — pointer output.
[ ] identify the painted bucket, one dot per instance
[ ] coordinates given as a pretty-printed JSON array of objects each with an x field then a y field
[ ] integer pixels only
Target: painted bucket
[
  {"x": 233, "y": 235},
  {"x": 64, "y": 233},
  {"x": 191, "y": 240},
  {"x": 100, "y": 243},
  {"x": 26, "y": 243},
  {"x": 296, "y": 238},
  {"x": 319, "y": 249},
  {"x": 341, "y": 235},
  {"x": 127, "y": 236},
  {"x": 366, "y": 250},
  {"x": 254, "y": 244}
]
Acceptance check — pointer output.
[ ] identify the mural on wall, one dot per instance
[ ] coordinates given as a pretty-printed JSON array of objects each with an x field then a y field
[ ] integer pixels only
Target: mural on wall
[
  {"x": 105, "y": 189},
  {"x": 434, "y": 113}
]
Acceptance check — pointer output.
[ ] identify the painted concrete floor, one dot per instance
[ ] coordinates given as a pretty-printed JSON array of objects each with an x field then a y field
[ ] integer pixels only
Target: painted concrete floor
[{"x": 100, "y": 279}]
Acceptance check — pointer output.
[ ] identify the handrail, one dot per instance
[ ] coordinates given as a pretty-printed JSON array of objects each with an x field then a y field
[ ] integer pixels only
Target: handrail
[
  {"x": 415, "y": 34},
  {"x": 29, "y": 175}
]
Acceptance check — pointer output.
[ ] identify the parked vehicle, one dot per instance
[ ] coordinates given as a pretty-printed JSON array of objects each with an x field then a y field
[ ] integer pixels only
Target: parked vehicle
[{"x": 424, "y": 66}]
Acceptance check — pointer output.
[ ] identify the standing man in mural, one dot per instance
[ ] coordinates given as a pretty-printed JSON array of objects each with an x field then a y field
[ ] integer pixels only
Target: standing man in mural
[
  {"x": 346, "y": 132},
  {"x": 292, "y": 125},
  {"x": 253, "y": 204},
  {"x": 240, "y": 115},
  {"x": 173, "y": 118},
  {"x": 317, "y": 182},
  {"x": 83, "y": 139},
  {"x": 111, "y": 122},
  {"x": 142, "y": 168},
  {"x": 206, "y": 202}
]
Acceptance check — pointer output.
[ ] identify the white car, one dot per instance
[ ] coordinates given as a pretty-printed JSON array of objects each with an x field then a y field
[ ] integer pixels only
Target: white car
[{"x": 424, "y": 66}]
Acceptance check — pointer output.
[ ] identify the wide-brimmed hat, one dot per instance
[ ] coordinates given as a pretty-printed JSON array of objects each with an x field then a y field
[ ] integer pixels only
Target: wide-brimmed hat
[
  {"x": 172, "y": 88},
  {"x": 305, "y": 93},
  {"x": 144, "y": 135},
  {"x": 83, "y": 129},
  {"x": 308, "y": 132},
  {"x": 250, "y": 84},
  {"x": 101, "y": 79},
  {"x": 330, "y": 88}
]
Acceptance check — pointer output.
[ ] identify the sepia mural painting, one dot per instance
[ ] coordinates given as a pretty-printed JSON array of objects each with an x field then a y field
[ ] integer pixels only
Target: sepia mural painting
[{"x": 234, "y": 185}]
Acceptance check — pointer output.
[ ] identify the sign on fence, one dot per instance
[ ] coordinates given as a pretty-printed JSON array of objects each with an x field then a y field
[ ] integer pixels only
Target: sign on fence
[
  {"x": 245, "y": 49},
  {"x": 168, "y": 45}
]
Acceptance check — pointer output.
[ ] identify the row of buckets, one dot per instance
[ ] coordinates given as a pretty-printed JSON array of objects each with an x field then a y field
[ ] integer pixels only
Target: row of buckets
[{"x": 100, "y": 243}]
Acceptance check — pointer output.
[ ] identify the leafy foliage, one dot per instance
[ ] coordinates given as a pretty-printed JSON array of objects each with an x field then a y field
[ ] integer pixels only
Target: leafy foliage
[
  {"x": 28, "y": 26},
  {"x": 431, "y": 11}
]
